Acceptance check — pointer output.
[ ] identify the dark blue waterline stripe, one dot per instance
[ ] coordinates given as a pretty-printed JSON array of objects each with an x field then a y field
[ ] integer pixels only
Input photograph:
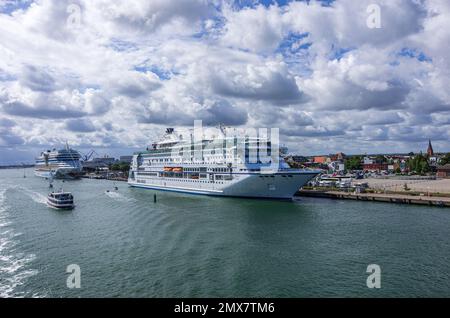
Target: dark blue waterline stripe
[{"x": 208, "y": 194}]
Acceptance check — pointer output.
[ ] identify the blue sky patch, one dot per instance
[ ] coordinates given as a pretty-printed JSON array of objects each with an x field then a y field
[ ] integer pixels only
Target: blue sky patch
[
  {"x": 293, "y": 43},
  {"x": 414, "y": 53},
  {"x": 338, "y": 53},
  {"x": 10, "y": 6},
  {"x": 161, "y": 73},
  {"x": 267, "y": 3}
]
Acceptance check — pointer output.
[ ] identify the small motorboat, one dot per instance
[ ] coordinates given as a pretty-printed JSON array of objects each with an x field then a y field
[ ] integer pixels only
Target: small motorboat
[{"x": 60, "y": 200}]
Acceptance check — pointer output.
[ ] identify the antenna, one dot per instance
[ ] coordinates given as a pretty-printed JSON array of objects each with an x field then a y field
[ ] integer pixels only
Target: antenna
[{"x": 222, "y": 128}]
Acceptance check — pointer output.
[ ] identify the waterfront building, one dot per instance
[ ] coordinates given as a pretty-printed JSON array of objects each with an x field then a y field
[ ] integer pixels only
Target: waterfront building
[
  {"x": 336, "y": 166},
  {"x": 368, "y": 161},
  {"x": 320, "y": 159},
  {"x": 432, "y": 158},
  {"x": 300, "y": 159},
  {"x": 443, "y": 171},
  {"x": 375, "y": 167},
  {"x": 430, "y": 150},
  {"x": 126, "y": 159},
  {"x": 340, "y": 156},
  {"x": 97, "y": 164}
]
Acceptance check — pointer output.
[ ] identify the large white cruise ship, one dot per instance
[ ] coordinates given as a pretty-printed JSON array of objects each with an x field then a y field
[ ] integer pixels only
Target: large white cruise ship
[
  {"x": 61, "y": 164},
  {"x": 218, "y": 166}
]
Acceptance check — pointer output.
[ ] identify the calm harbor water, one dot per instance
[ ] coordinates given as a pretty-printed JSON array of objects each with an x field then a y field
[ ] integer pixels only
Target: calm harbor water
[{"x": 196, "y": 246}]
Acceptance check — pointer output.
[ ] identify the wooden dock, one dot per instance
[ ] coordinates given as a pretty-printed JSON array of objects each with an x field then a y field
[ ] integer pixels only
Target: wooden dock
[{"x": 378, "y": 197}]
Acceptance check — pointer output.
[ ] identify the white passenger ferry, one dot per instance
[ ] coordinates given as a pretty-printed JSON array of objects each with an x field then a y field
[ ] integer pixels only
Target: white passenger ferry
[
  {"x": 60, "y": 200},
  {"x": 218, "y": 166}
]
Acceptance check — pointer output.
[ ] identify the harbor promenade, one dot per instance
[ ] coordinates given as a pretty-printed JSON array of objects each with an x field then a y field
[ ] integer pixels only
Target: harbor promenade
[
  {"x": 379, "y": 197},
  {"x": 435, "y": 186}
]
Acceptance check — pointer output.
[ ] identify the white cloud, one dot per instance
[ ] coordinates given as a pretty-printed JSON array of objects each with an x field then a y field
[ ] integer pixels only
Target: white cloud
[{"x": 258, "y": 29}]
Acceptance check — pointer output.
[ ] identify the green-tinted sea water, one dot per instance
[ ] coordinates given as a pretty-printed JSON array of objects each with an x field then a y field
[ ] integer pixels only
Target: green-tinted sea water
[{"x": 195, "y": 246}]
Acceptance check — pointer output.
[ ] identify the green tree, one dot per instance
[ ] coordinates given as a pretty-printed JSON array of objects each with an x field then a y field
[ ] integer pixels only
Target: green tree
[
  {"x": 120, "y": 166},
  {"x": 445, "y": 160},
  {"x": 353, "y": 163},
  {"x": 380, "y": 159},
  {"x": 419, "y": 164}
]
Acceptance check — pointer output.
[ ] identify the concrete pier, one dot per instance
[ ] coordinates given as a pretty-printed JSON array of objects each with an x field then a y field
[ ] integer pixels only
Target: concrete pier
[{"x": 378, "y": 197}]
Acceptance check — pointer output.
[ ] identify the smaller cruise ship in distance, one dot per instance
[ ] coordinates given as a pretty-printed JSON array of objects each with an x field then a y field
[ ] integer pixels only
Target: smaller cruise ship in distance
[
  {"x": 60, "y": 164},
  {"x": 223, "y": 167}
]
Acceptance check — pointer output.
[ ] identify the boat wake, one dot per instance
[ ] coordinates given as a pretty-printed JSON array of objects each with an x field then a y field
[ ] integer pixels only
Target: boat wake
[
  {"x": 14, "y": 266},
  {"x": 35, "y": 196},
  {"x": 118, "y": 196}
]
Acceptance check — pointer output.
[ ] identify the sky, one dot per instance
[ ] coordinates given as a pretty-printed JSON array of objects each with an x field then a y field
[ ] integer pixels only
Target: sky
[{"x": 111, "y": 75}]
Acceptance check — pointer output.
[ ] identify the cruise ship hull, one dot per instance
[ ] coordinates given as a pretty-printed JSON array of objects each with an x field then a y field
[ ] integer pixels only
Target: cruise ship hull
[
  {"x": 60, "y": 173},
  {"x": 280, "y": 186}
]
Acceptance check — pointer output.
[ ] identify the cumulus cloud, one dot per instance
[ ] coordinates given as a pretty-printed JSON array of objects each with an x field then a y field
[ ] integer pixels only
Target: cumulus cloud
[
  {"x": 271, "y": 81},
  {"x": 80, "y": 125},
  {"x": 44, "y": 112},
  {"x": 37, "y": 79},
  {"x": 95, "y": 103},
  {"x": 135, "y": 84},
  {"x": 145, "y": 17},
  {"x": 210, "y": 112},
  {"x": 254, "y": 29},
  {"x": 7, "y": 123},
  {"x": 9, "y": 138}
]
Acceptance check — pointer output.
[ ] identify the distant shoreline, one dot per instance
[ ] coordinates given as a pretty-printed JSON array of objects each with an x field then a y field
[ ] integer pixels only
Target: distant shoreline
[{"x": 17, "y": 166}]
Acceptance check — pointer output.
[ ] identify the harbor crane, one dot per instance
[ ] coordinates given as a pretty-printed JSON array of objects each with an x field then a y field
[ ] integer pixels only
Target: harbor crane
[{"x": 89, "y": 155}]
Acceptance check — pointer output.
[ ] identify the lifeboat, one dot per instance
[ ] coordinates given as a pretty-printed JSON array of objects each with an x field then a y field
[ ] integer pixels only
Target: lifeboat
[
  {"x": 177, "y": 169},
  {"x": 167, "y": 169}
]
